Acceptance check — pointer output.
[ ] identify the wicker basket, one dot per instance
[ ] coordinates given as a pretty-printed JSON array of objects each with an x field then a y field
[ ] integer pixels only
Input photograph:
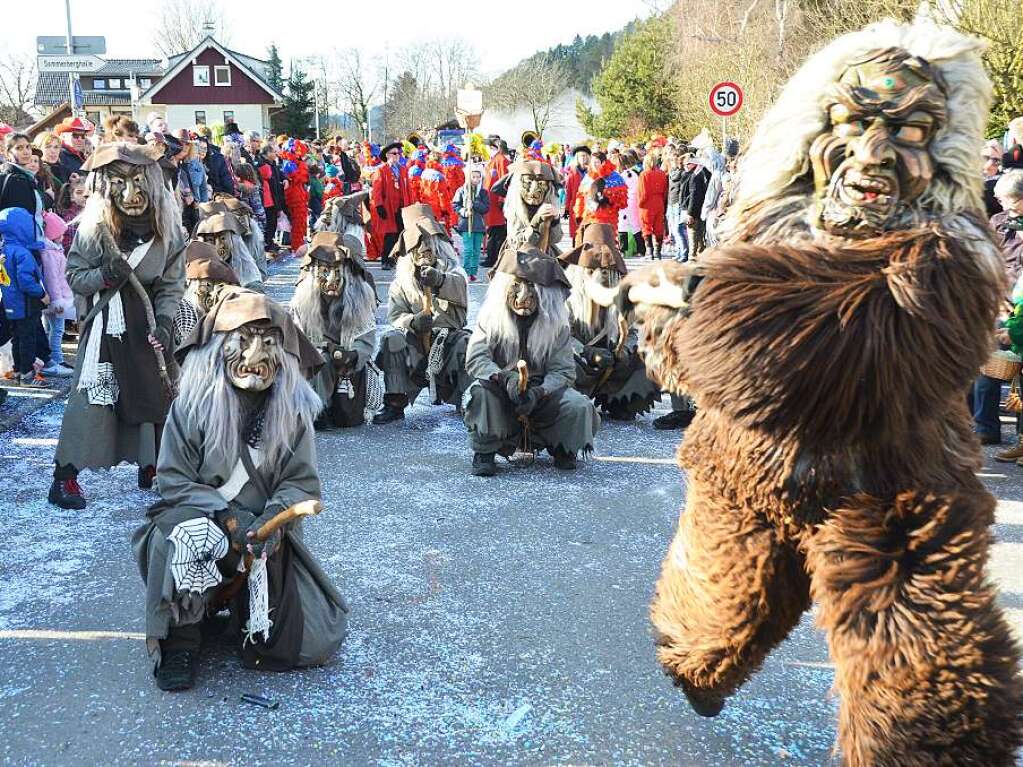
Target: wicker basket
[{"x": 1003, "y": 365}]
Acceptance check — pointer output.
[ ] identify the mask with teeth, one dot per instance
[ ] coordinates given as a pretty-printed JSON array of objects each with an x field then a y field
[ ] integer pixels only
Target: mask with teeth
[
  {"x": 330, "y": 279},
  {"x": 522, "y": 297},
  {"x": 534, "y": 189},
  {"x": 423, "y": 255},
  {"x": 873, "y": 159},
  {"x": 252, "y": 356}
]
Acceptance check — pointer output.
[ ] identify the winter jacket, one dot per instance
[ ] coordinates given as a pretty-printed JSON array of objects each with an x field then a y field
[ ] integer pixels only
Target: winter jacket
[
  {"x": 573, "y": 178},
  {"x": 18, "y": 189},
  {"x": 217, "y": 171},
  {"x": 192, "y": 175},
  {"x": 252, "y": 195},
  {"x": 54, "y": 264},
  {"x": 676, "y": 177},
  {"x": 1010, "y": 240},
  {"x": 19, "y": 237},
  {"x": 628, "y": 218},
  {"x": 991, "y": 204},
  {"x": 389, "y": 195},
  {"x": 497, "y": 169},
  {"x": 480, "y": 205},
  {"x": 71, "y": 161},
  {"x": 694, "y": 192},
  {"x": 69, "y": 215},
  {"x": 715, "y": 163},
  {"x": 270, "y": 172},
  {"x": 653, "y": 194}
]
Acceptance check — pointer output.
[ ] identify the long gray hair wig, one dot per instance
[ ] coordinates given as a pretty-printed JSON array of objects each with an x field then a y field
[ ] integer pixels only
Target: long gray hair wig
[
  {"x": 549, "y": 330},
  {"x": 211, "y": 405},
  {"x": 447, "y": 260},
  {"x": 582, "y": 309},
  {"x": 518, "y": 215},
  {"x": 350, "y": 315}
]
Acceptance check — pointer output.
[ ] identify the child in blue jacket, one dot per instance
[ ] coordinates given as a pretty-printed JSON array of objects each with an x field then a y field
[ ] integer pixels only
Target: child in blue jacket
[{"x": 25, "y": 297}]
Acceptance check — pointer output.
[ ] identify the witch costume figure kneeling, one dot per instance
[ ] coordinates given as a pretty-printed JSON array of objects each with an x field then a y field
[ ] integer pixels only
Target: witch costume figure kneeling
[
  {"x": 237, "y": 471},
  {"x": 521, "y": 359}
]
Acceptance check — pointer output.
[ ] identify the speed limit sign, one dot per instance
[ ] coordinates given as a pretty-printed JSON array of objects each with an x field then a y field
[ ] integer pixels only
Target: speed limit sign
[{"x": 725, "y": 99}]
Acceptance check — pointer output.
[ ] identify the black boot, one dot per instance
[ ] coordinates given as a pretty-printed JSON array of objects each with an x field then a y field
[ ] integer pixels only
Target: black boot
[
  {"x": 676, "y": 419},
  {"x": 176, "y": 671},
  {"x": 564, "y": 460},
  {"x": 657, "y": 249},
  {"x": 649, "y": 241},
  {"x": 66, "y": 493},
  {"x": 393, "y": 409},
  {"x": 483, "y": 465},
  {"x": 146, "y": 476}
]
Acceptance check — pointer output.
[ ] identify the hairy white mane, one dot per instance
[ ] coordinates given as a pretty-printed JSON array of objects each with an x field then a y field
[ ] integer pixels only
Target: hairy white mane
[
  {"x": 447, "y": 261},
  {"x": 580, "y": 305},
  {"x": 350, "y": 315},
  {"x": 518, "y": 216}
]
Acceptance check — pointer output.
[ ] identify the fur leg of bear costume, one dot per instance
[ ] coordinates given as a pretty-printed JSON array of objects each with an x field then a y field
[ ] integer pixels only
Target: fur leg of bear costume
[
  {"x": 729, "y": 591},
  {"x": 926, "y": 668}
]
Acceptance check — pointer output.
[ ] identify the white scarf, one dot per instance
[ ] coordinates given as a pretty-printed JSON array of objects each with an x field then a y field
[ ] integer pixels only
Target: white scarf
[{"x": 98, "y": 379}]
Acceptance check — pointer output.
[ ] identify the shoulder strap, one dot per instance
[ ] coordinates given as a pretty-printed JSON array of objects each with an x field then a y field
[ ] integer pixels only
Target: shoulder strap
[{"x": 253, "y": 472}]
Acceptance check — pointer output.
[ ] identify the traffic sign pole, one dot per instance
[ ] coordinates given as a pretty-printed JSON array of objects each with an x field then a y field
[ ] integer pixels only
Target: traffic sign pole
[{"x": 70, "y": 50}]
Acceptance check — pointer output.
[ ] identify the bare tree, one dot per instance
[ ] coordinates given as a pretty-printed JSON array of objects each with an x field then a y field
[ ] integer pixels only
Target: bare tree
[
  {"x": 183, "y": 23},
  {"x": 536, "y": 84},
  {"x": 17, "y": 88},
  {"x": 356, "y": 85}
]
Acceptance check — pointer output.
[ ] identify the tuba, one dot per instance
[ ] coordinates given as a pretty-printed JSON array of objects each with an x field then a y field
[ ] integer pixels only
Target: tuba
[
  {"x": 528, "y": 137},
  {"x": 415, "y": 139}
]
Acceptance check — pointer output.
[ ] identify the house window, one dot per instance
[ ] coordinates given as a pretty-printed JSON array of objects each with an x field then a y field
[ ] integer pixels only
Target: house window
[
  {"x": 222, "y": 75},
  {"x": 145, "y": 82},
  {"x": 99, "y": 85},
  {"x": 228, "y": 116},
  {"x": 200, "y": 76},
  {"x": 114, "y": 83},
  {"x": 200, "y": 117}
]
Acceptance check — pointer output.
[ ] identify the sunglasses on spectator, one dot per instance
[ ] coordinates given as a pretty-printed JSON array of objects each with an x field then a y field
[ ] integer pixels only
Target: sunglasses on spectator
[{"x": 77, "y": 135}]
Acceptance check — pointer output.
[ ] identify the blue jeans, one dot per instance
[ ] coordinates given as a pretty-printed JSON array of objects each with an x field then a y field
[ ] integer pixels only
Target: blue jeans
[
  {"x": 471, "y": 242},
  {"x": 681, "y": 236},
  {"x": 54, "y": 325},
  {"x": 987, "y": 392}
]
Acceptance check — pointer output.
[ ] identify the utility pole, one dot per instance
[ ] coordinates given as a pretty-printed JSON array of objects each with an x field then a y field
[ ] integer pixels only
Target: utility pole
[{"x": 70, "y": 52}]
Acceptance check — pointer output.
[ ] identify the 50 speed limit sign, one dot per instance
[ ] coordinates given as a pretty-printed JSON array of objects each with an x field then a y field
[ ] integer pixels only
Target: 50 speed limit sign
[{"x": 725, "y": 99}]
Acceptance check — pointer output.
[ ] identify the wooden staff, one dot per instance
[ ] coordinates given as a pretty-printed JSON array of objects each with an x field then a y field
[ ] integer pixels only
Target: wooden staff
[
  {"x": 301, "y": 509},
  {"x": 161, "y": 363},
  {"x": 523, "y": 369},
  {"x": 426, "y": 339}
]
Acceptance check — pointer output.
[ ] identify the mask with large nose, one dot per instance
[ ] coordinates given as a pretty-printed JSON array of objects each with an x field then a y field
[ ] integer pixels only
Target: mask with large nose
[
  {"x": 534, "y": 189},
  {"x": 522, "y": 297},
  {"x": 252, "y": 356},
  {"x": 127, "y": 188},
  {"x": 874, "y": 158},
  {"x": 330, "y": 279}
]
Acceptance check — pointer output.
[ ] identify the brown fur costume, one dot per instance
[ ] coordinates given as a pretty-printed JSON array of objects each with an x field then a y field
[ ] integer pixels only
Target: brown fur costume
[{"x": 831, "y": 457}]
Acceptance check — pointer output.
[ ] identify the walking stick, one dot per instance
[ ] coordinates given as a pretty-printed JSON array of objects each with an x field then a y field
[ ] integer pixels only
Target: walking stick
[
  {"x": 426, "y": 339},
  {"x": 161, "y": 363},
  {"x": 524, "y": 455}
]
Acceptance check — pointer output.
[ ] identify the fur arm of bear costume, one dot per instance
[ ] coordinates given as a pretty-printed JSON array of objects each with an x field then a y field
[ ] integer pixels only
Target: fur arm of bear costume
[{"x": 832, "y": 345}]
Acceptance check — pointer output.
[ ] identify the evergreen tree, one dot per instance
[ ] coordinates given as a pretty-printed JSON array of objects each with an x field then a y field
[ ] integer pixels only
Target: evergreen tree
[
  {"x": 275, "y": 69},
  {"x": 298, "y": 104},
  {"x": 633, "y": 89}
]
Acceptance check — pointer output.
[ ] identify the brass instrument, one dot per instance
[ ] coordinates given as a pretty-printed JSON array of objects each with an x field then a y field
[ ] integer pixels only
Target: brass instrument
[
  {"x": 415, "y": 139},
  {"x": 528, "y": 137}
]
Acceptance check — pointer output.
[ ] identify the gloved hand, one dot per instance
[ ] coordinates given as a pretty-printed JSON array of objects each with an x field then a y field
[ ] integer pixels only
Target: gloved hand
[
  {"x": 381, "y": 212},
  {"x": 270, "y": 544},
  {"x": 422, "y": 322},
  {"x": 597, "y": 359},
  {"x": 431, "y": 277},
  {"x": 543, "y": 213},
  {"x": 346, "y": 361},
  {"x": 511, "y": 386},
  {"x": 164, "y": 333},
  {"x": 237, "y": 522},
  {"x": 115, "y": 271},
  {"x": 529, "y": 400}
]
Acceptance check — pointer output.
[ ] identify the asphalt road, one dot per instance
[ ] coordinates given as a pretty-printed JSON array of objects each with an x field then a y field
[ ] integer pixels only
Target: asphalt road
[{"x": 494, "y": 622}]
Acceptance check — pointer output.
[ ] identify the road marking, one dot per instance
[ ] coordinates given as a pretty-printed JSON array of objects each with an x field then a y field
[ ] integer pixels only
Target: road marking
[
  {"x": 60, "y": 635},
  {"x": 634, "y": 459},
  {"x": 31, "y": 441}
]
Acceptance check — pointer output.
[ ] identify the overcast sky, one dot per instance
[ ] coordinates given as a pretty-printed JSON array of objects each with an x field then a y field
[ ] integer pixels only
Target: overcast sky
[{"x": 303, "y": 28}]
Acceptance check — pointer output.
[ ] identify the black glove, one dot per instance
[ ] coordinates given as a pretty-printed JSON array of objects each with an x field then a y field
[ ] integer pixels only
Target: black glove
[
  {"x": 422, "y": 322},
  {"x": 344, "y": 360},
  {"x": 270, "y": 544},
  {"x": 381, "y": 211},
  {"x": 597, "y": 359},
  {"x": 115, "y": 271},
  {"x": 431, "y": 277},
  {"x": 164, "y": 333},
  {"x": 511, "y": 385},
  {"x": 237, "y": 522},
  {"x": 529, "y": 400}
]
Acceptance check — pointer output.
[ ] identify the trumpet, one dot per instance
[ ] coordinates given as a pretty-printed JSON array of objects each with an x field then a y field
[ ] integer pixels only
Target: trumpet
[{"x": 528, "y": 137}]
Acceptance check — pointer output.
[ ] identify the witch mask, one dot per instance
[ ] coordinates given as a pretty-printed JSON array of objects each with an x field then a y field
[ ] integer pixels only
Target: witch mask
[
  {"x": 252, "y": 356},
  {"x": 127, "y": 188},
  {"x": 522, "y": 297},
  {"x": 534, "y": 189},
  {"x": 330, "y": 279},
  {"x": 874, "y": 158}
]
